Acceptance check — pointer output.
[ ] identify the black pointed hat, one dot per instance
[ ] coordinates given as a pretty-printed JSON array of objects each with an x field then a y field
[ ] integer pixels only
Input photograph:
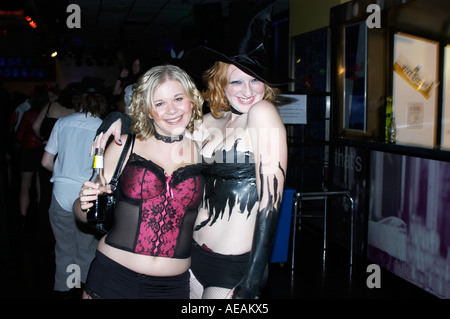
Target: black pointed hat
[{"x": 248, "y": 52}]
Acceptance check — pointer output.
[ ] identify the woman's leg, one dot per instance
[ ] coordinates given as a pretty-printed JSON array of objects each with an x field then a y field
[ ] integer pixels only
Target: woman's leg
[
  {"x": 216, "y": 293},
  {"x": 25, "y": 187},
  {"x": 196, "y": 288},
  {"x": 198, "y": 292},
  {"x": 85, "y": 295}
]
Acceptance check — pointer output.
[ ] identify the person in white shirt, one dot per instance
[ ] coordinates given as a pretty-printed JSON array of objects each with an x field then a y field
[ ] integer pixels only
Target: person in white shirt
[{"x": 70, "y": 142}]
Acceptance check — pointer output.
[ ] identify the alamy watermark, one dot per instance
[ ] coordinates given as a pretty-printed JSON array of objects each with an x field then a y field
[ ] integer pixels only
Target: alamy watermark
[
  {"x": 373, "y": 21},
  {"x": 374, "y": 279},
  {"x": 73, "y": 21},
  {"x": 74, "y": 279}
]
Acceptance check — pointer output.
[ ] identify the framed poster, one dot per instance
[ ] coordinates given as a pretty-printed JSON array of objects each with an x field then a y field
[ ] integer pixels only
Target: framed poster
[
  {"x": 414, "y": 94},
  {"x": 445, "y": 141},
  {"x": 355, "y": 80}
]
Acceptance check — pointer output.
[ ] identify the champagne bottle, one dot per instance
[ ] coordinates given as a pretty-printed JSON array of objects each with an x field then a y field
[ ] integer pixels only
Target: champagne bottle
[
  {"x": 388, "y": 118},
  {"x": 392, "y": 132},
  {"x": 97, "y": 213}
]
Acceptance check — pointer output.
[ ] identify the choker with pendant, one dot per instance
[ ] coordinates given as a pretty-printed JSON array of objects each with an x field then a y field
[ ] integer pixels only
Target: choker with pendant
[{"x": 167, "y": 139}]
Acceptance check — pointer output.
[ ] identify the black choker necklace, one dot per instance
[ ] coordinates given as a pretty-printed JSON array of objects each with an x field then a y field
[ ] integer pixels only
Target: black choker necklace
[
  {"x": 167, "y": 139},
  {"x": 234, "y": 111}
]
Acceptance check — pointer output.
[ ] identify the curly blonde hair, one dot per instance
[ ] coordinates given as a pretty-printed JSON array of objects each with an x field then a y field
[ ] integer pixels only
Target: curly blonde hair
[
  {"x": 215, "y": 79},
  {"x": 143, "y": 103}
]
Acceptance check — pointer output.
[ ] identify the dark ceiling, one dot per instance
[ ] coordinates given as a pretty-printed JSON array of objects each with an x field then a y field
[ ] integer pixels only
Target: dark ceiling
[
  {"x": 109, "y": 26},
  {"x": 429, "y": 18}
]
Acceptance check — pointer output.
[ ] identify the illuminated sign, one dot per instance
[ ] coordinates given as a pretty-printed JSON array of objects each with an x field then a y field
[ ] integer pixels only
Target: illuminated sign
[{"x": 27, "y": 69}]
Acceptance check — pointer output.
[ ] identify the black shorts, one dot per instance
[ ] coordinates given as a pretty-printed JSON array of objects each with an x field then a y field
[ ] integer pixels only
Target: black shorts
[
  {"x": 108, "y": 279},
  {"x": 217, "y": 270}
]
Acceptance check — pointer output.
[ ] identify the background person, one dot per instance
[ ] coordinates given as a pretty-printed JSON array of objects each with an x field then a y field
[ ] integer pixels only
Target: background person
[
  {"x": 31, "y": 150},
  {"x": 70, "y": 142}
]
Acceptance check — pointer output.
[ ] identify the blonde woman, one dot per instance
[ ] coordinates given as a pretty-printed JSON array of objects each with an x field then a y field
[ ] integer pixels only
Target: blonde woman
[{"x": 146, "y": 254}]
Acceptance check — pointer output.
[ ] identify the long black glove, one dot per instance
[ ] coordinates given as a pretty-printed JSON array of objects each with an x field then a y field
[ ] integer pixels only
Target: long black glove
[
  {"x": 111, "y": 118},
  {"x": 265, "y": 227},
  {"x": 251, "y": 285}
]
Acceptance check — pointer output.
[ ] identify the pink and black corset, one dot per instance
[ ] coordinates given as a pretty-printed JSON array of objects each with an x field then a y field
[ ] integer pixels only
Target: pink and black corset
[{"x": 155, "y": 212}]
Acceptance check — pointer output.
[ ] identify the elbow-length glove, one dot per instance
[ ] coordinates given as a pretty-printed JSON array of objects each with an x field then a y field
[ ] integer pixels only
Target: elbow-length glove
[
  {"x": 264, "y": 234},
  {"x": 111, "y": 118},
  {"x": 251, "y": 285}
]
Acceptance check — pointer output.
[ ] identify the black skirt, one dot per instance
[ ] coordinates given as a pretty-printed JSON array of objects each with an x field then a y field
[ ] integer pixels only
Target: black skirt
[{"x": 108, "y": 279}]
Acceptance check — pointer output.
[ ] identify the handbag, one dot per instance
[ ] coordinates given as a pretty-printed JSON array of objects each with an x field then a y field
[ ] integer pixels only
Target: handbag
[{"x": 111, "y": 198}]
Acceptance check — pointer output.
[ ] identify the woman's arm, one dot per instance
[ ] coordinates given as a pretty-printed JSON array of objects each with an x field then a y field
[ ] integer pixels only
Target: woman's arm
[
  {"x": 89, "y": 191},
  {"x": 268, "y": 138},
  {"x": 48, "y": 161},
  {"x": 115, "y": 124},
  {"x": 118, "y": 86},
  {"x": 38, "y": 122}
]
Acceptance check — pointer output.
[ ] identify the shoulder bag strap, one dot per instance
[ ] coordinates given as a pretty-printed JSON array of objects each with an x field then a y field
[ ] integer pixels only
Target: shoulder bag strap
[
  {"x": 48, "y": 108},
  {"x": 115, "y": 177}
]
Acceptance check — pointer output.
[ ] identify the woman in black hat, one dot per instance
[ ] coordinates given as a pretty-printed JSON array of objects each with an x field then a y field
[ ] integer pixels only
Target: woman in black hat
[{"x": 244, "y": 160}]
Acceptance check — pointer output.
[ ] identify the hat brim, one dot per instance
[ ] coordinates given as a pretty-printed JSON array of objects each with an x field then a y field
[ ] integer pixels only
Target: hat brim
[{"x": 202, "y": 58}]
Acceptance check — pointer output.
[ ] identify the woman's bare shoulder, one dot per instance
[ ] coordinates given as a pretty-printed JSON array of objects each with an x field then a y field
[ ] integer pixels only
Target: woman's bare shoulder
[{"x": 265, "y": 114}]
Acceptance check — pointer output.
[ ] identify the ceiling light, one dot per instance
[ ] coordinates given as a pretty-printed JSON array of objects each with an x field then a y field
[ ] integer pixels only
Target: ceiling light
[{"x": 31, "y": 22}]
